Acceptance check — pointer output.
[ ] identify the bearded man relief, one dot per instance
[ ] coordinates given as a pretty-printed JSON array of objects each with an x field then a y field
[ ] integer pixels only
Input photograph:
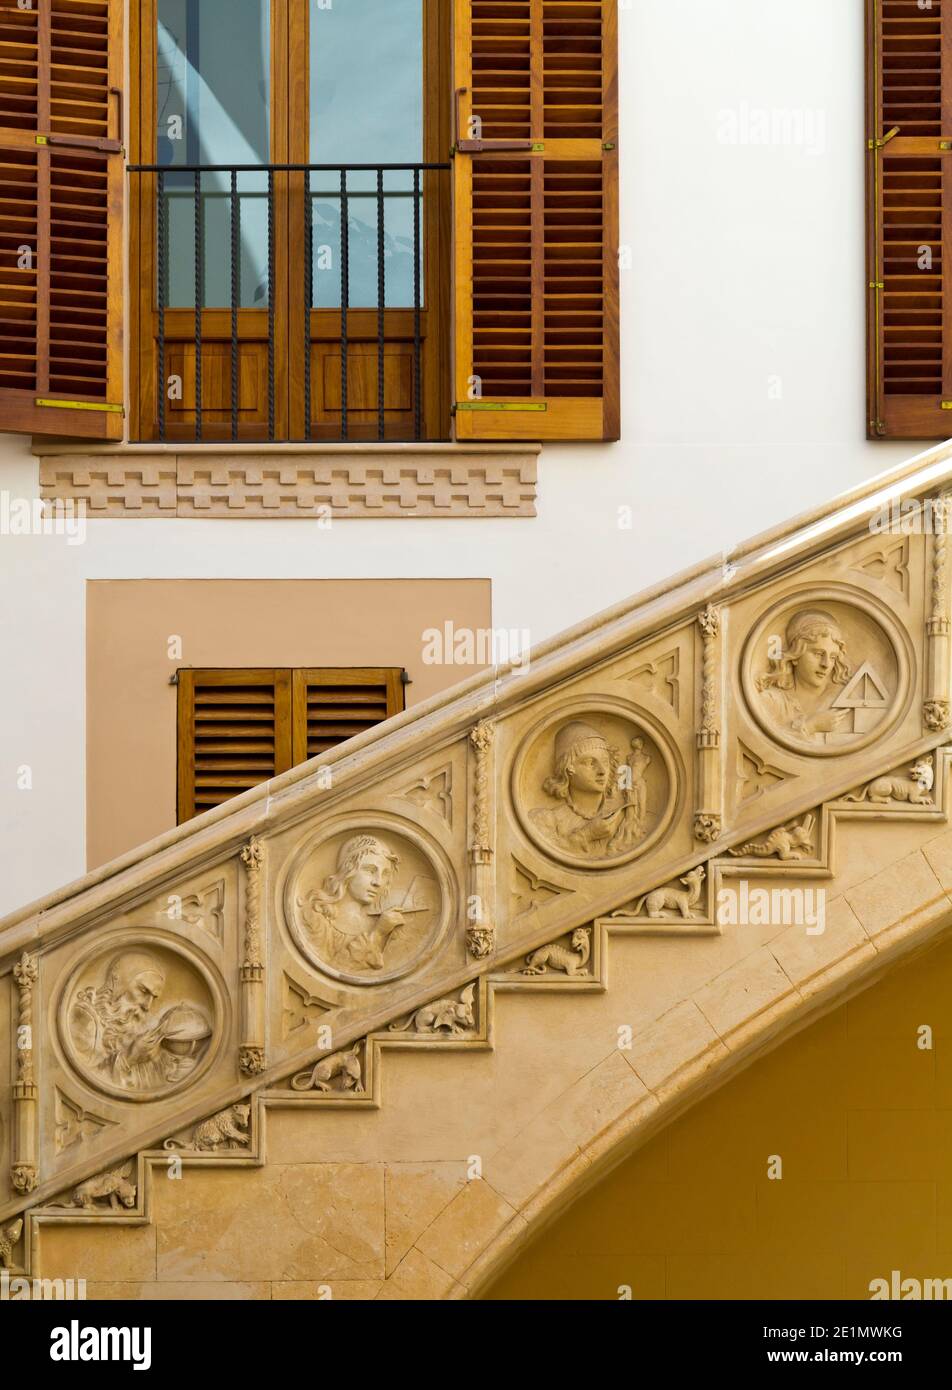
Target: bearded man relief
[
  {"x": 601, "y": 803},
  {"x": 122, "y": 1036}
]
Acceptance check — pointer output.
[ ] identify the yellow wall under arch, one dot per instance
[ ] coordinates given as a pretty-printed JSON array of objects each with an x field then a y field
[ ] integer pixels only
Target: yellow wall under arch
[{"x": 861, "y": 1117}]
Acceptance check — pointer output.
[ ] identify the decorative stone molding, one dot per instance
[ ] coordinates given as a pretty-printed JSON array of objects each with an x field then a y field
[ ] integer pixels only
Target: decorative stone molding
[
  {"x": 434, "y": 792},
  {"x": 25, "y": 1155},
  {"x": 707, "y": 818},
  {"x": 9, "y": 1240},
  {"x": 251, "y": 1054},
  {"x": 480, "y": 935},
  {"x": 936, "y": 707},
  {"x": 405, "y": 481}
]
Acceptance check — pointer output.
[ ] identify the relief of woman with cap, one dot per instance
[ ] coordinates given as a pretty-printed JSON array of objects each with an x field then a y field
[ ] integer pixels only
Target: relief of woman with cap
[
  {"x": 801, "y": 682},
  {"x": 599, "y": 813}
]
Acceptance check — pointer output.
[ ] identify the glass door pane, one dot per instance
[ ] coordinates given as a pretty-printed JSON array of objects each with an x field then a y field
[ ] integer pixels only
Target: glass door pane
[
  {"x": 214, "y": 107},
  {"x": 366, "y": 95}
]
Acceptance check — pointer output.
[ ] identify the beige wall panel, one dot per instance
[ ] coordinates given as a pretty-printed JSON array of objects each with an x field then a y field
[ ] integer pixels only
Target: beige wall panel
[{"x": 130, "y": 706}]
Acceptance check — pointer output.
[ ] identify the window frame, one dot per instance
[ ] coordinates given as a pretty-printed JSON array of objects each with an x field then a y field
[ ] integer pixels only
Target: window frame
[{"x": 290, "y": 132}]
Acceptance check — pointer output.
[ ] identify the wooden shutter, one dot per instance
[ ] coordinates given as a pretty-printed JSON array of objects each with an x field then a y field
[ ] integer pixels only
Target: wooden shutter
[
  {"x": 331, "y": 705},
  {"x": 61, "y": 199},
  {"x": 234, "y": 731},
  {"x": 909, "y": 226},
  {"x": 237, "y": 728},
  {"x": 536, "y": 213}
]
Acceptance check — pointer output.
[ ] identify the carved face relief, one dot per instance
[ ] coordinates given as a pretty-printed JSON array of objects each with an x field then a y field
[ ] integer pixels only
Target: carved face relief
[
  {"x": 594, "y": 790},
  {"x": 822, "y": 677},
  {"x": 138, "y": 1021},
  {"x": 364, "y": 905}
]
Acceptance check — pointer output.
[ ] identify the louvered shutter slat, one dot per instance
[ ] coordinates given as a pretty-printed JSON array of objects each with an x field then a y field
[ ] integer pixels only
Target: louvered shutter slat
[
  {"x": 234, "y": 733},
  {"x": 332, "y": 705},
  {"x": 61, "y": 203},
  {"x": 909, "y": 190},
  {"x": 537, "y": 268}
]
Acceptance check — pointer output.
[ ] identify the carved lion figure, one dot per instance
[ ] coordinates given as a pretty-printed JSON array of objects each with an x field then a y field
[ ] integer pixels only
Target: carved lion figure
[{"x": 914, "y": 789}]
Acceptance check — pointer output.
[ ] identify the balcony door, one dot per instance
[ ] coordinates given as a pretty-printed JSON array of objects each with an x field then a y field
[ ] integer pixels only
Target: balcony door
[{"x": 322, "y": 294}]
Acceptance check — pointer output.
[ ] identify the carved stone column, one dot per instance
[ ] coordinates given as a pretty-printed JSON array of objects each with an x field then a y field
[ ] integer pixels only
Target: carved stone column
[
  {"x": 935, "y": 710},
  {"x": 707, "y": 818},
  {"x": 251, "y": 1060},
  {"x": 480, "y": 907},
  {"x": 23, "y": 1171}
]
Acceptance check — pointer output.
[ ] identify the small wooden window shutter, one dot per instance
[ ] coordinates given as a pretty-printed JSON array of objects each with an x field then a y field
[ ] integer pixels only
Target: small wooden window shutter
[
  {"x": 237, "y": 728},
  {"x": 909, "y": 61},
  {"x": 61, "y": 201},
  {"x": 234, "y": 731},
  {"x": 536, "y": 213},
  {"x": 331, "y": 705}
]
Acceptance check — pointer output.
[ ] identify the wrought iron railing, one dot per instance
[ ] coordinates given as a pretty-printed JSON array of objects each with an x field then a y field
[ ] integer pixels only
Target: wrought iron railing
[{"x": 218, "y": 187}]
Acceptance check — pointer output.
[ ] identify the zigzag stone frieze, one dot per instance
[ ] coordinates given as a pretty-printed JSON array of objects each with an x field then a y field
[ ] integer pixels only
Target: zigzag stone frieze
[{"x": 337, "y": 485}]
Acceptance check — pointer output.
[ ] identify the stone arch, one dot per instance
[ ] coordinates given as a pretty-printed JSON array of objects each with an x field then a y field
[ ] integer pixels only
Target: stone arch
[{"x": 896, "y": 913}]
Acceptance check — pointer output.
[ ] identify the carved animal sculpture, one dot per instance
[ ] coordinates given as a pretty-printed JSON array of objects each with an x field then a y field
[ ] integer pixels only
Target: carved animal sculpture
[
  {"x": 913, "y": 789},
  {"x": 786, "y": 842},
  {"x": 452, "y": 1016},
  {"x": 555, "y": 956},
  {"x": 227, "y": 1128},
  {"x": 343, "y": 1066},
  {"x": 662, "y": 900},
  {"x": 9, "y": 1235},
  {"x": 113, "y": 1187}
]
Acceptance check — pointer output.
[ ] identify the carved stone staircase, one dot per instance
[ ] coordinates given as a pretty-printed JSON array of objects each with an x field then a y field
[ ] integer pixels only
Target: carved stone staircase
[{"x": 665, "y": 791}]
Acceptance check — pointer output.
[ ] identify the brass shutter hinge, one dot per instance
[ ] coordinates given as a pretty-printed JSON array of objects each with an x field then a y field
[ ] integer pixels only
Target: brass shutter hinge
[
  {"x": 945, "y": 144},
  {"x": 877, "y": 144},
  {"x": 81, "y": 405},
  {"x": 500, "y": 405},
  {"x": 608, "y": 145},
  {"x": 877, "y": 284},
  {"x": 947, "y": 405}
]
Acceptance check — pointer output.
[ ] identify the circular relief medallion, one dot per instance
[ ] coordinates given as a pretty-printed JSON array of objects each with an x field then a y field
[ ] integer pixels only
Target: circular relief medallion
[
  {"x": 138, "y": 1021},
  {"x": 595, "y": 788},
  {"x": 366, "y": 905},
  {"x": 823, "y": 675}
]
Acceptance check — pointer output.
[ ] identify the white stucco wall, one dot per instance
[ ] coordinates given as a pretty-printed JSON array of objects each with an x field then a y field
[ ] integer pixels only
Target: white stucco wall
[{"x": 746, "y": 277}]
